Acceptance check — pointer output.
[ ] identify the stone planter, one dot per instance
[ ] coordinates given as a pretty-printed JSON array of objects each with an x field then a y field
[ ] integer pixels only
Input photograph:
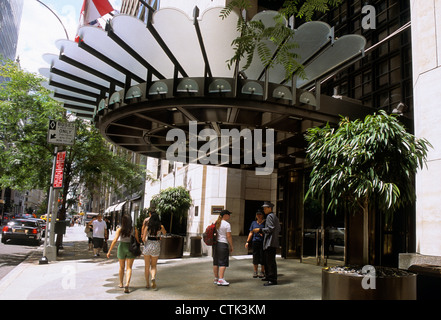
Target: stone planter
[
  {"x": 171, "y": 247},
  {"x": 344, "y": 283}
]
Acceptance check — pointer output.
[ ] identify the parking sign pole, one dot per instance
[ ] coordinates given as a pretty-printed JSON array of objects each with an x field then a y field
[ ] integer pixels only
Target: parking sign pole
[{"x": 44, "y": 259}]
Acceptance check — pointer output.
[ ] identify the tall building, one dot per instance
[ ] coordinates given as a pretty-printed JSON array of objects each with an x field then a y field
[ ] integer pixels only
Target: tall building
[
  {"x": 10, "y": 16},
  {"x": 381, "y": 80},
  {"x": 426, "y": 62}
]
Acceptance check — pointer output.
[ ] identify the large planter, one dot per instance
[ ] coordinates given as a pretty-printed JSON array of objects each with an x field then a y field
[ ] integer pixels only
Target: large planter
[
  {"x": 172, "y": 246},
  {"x": 342, "y": 283}
]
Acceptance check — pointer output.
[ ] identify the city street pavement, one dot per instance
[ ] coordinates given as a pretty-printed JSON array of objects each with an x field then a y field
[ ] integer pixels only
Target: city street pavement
[{"x": 77, "y": 275}]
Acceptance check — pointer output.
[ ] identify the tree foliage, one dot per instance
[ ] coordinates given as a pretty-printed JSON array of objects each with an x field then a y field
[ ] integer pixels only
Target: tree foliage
[
  {"x": 25, "y": 110},
  {"x": 371, "y": 160},
  {"x": 256, "y": 38},
  {"x": 173, "y": 203}
]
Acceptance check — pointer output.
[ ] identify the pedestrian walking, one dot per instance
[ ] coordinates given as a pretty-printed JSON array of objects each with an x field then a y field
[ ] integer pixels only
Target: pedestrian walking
[
  {"x": 256, "y": 240},
  {"x": 88, "y": 229},
  {"x": 108, "y": 227},
  {"x": 99, "y": 234},
  {"x": 152, "y": 248},
  {"x": 125, "y": 257},
  {"x": 270, "y": 243},
  {"x": 222, "y": 248},
  {"x": 145, "y": 223}
]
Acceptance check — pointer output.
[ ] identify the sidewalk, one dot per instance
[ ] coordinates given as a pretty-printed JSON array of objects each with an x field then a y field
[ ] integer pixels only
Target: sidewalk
[{"x": 77, "y": 275}]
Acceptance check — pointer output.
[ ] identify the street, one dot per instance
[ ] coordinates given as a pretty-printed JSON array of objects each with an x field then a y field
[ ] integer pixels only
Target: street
[{"x": 12, "y": 254}]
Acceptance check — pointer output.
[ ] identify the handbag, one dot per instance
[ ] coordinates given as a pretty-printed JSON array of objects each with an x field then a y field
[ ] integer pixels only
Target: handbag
[
  {"x": 135, "y": 246},
  {"x": 105, "y": 247}
]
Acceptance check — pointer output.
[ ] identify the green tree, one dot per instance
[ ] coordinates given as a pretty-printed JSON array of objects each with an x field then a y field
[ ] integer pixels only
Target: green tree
[
  {"x": 25, "y": 110},
  {"x": 365, "y": 163},
  {"x": 26, "y": 157},
  {"x": 255, "y": 37},
  {"x": 173, "y": 204}
]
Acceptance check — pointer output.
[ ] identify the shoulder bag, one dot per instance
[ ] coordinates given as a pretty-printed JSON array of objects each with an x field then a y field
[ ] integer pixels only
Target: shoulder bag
[{"x": 135, "y": 246}]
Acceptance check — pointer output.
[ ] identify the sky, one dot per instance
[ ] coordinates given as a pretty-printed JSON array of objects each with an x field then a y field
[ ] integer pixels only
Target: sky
[{"x": 40, "y": 29}]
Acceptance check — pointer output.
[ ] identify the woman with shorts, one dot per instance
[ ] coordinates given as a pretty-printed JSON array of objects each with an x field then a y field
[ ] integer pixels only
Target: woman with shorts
[
  {"x": 152, "y": 248},
  {"x": 221, "y": 250},
  {"x": 124, "y": 255}
]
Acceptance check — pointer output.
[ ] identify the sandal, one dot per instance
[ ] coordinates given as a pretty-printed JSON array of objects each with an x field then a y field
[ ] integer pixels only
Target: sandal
[
  {"x": 126, "y": 289},
  {"x": 154, "y": 284}
]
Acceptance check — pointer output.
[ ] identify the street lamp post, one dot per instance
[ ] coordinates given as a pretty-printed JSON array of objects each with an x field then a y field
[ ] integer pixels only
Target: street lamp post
[{"x": 65, "y": 31}]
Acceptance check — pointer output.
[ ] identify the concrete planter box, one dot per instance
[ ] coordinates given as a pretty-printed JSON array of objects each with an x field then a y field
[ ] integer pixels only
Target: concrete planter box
[
  {"x": 349, "y": 286},
  {"x": 171, "y": 247}
]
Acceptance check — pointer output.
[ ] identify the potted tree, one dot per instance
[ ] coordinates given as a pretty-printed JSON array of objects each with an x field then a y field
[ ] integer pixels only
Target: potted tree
[
  {"x": 365, "y": 165},
  {"x": 172, "y": 205}
]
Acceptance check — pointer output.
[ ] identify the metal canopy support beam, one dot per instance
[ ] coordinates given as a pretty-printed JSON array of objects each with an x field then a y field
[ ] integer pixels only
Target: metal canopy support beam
[
  {"x": 90, "y": 70},
  {"x": 112, "y": 35},
  {"x": 79, "y": 108},
  {"x": 110, "y": 62},
  {"x": 75, "y": 99},
  {"x": 73, "y": 89},
  {"x": 77, "y": 79},
  {"x": 201, "y": 42},
  {"x": 161, "y": 42}
]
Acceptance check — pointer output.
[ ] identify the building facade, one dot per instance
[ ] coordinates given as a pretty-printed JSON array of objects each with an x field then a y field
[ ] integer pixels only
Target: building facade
[
  {"x": 171, "y": 88},
  {"x": 10, "y": 17},
  {"x": 426, "y": 62},
  {"x": 380, "y": 80}
]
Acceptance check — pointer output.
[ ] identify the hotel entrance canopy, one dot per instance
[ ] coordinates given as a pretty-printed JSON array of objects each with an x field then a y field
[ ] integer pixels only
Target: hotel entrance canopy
[{"x": 138, "y": 80}]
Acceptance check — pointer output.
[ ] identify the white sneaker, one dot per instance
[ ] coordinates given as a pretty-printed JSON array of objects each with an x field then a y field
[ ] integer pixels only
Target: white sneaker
[
  {"x": 215, "y": 280},
  {"x": 222, "y": 282}
]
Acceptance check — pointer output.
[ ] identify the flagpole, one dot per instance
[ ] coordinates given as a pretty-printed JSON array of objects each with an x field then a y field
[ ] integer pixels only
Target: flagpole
[{"x": 67, "y": 36}]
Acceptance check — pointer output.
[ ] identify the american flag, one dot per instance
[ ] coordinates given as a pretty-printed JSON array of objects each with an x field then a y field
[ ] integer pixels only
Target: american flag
[{"x": 91, "y": 11}]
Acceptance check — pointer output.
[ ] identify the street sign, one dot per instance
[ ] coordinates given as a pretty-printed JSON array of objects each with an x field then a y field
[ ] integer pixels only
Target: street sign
[
  {"x": 59, "y": 170},
  {"x": 62, "y": 133}
]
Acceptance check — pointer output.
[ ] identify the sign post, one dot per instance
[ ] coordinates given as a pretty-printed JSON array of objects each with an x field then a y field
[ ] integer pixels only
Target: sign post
[{"x": 59, "y": 133}]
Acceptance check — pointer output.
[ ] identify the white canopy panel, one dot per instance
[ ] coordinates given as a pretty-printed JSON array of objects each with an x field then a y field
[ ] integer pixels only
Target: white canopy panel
[
  {"x": 218, "y": 35},
  {"x": 130, "y": 50},
  {"x": 70, "y": 49},
  {"x": 178, "y": 33},
  {"x": 136, "y": 35},
  {"x": 97, "y": 39}
]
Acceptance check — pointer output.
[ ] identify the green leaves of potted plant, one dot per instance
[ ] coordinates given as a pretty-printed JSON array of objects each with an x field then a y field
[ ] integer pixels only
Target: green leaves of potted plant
[
  {"x": 172, "y": 204},
  {"x": 365, "y": 164}
]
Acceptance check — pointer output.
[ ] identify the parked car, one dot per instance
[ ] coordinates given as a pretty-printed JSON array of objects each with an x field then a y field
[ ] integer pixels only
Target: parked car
[
  {"x": 42, "y": 224},
  {"x": 6, "y": 217},
  {"x": 89, "y": 216},
  {"x": 22, "y": 229}
]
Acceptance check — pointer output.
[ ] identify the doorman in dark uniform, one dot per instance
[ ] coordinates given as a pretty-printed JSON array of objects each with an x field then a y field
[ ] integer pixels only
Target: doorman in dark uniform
[{"x": 270, "y": 243}]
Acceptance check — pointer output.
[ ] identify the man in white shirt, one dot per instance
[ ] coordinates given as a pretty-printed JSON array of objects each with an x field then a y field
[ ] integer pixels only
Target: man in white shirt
[{"x": 99, "y": 233}]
